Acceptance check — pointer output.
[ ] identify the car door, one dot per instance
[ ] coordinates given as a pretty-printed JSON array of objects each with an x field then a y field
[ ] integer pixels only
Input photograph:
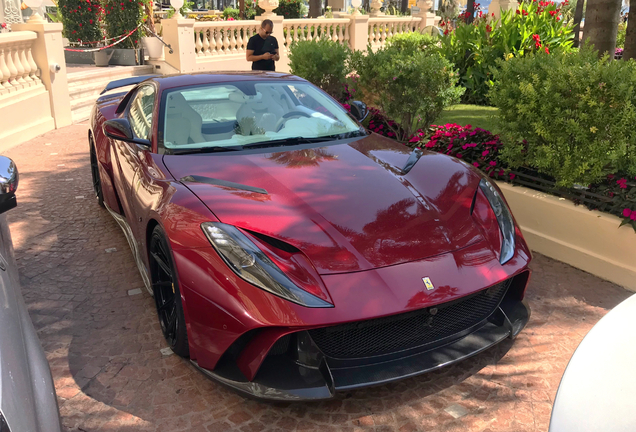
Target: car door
[{"x": 139, "y": 115}]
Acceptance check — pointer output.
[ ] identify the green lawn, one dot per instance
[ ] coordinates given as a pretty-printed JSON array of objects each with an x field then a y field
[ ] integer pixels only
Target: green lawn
[{"x": 476, "y": 115}]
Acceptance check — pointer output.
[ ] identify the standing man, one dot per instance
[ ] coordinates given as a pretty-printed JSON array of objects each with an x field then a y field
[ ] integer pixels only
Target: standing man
[{"x": 262, "y": 48}]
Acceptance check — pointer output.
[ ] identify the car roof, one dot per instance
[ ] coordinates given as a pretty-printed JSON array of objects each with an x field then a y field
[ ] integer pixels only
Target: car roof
[{"x": 181, "y": 80}]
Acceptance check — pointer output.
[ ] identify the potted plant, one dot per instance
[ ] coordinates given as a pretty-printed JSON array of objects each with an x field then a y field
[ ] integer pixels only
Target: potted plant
[
  {"x": 123, "y": 17},
  {"x": 81, "y": 21},
  {"x": 153, "y": 46}
]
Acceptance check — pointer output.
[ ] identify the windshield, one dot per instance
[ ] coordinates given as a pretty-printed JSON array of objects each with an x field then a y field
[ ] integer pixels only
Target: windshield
[{"x": 241, "y": 113}]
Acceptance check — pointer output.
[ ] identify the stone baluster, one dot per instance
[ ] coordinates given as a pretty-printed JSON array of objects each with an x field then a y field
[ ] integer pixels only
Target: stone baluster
[
  {"x": 34, "y": 67},
  {"x": 13, "y": 72},
  {"x": 5, "y": 73},
  {"x": 226, "y": 40},
  {"x": 288, "y": 38},
  {"x": 198, "y": 34},
  {"x": 205, "y": 44},
  {"x": 233, "y": 47},
  {"x": 218, "y": 43},
  {"x": 239, "y": 40},
  {"x": 25, "y": 64},
  {"x": 19, "y": 67}
]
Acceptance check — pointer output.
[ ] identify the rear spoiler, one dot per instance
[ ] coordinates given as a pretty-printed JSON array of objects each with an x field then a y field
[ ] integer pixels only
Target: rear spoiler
[{"x": 126, "y": 82}]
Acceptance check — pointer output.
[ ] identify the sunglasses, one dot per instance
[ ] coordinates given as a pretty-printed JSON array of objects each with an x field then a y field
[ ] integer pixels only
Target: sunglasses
[{"x": 267, "y": 33}]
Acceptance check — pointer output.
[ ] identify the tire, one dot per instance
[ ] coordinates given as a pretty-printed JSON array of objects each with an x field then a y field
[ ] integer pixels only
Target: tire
[
  {"x": 165, "y": 286},
  {"x": 97, "y": 179}
]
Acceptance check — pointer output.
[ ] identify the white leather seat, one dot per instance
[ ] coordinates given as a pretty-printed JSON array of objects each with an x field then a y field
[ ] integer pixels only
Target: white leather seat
[
  {"x": 178, "y": 110},
  {"x": 265, "y": 112}
]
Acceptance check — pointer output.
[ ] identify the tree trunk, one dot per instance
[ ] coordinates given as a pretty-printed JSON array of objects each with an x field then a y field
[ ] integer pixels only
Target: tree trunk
[
  {"x": 601, "y": 24},
  {"x": 150, "y": 22},
  {"x": 242, "y": 9},
  {"x": 470, "y": 11},
  {"x": 315, "y": 8},
  {"x": 630, "y": 37},
  {"x": 578, "y": 16}
]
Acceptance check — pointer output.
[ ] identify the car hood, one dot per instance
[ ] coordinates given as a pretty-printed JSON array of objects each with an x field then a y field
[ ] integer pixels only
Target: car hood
[{"x": 347, "y": 206}]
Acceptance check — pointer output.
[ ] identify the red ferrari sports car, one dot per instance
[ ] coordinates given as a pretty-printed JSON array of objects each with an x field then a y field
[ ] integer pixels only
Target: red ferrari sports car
[{"x": 292, "y": 254}]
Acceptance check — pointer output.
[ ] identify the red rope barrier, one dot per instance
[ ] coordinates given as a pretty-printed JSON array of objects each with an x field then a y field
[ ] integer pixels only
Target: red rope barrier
[{"x": 126, "y": 36}]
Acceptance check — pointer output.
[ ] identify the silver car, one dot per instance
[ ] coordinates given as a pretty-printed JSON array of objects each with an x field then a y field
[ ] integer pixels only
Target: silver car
[{"x": 27, "y": 394}]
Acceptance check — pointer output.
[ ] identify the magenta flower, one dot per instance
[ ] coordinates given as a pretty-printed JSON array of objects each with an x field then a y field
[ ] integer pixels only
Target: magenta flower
[
  {"x": 476, "y": 164},
  {"x": 627, "y": 212},
  {"x": 459, "y": 155},
  {"x": 633, "y": 216},
  {"x": 485, "y": 153},
  {"x": 512, "y": 176},
  {"x": 493, "y": 163},
  {"x": 622, "y": 183}
]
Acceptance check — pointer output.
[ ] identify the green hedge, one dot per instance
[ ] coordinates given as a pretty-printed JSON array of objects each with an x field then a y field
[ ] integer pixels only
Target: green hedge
[{"x": 568, "y": 115}]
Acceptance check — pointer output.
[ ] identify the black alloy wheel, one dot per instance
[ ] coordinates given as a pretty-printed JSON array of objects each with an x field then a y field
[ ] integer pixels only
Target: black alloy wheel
[
  {"x": 97, "y": 181},
  {"x": 165, "y": 286}
]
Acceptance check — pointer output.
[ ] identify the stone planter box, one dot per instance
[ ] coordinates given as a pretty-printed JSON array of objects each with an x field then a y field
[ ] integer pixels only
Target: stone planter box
[
  {"x": 121, "y": 57},
  {"x": 588, "y": 240}
]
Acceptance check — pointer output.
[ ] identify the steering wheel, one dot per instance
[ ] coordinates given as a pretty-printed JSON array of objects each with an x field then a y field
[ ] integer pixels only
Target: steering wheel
[{"x": 288, "y": 116}]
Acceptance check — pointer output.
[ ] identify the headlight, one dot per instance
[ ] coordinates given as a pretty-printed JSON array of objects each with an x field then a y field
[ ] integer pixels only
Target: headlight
[
  {"x": 504, "y": 219},
  {"x": 252, "y": 265}
]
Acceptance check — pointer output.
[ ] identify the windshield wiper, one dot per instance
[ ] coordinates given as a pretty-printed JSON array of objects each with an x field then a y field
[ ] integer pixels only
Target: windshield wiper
[
  {"x": 286, "y": 142},
  {"x": 205, "y": 150},
  {"x": 303, "y": 140}
]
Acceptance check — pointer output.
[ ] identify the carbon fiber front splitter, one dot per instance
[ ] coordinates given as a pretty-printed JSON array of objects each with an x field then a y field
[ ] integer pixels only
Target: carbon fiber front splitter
[{"x": 280, "y": 378}]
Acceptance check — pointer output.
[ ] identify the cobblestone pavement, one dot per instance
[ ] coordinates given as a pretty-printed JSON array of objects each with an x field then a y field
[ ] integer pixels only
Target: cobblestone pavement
[{"x": 104, "y": 344}]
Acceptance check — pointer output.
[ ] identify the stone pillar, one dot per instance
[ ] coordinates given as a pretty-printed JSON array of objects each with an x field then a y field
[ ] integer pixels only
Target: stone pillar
[
  {"x": 179, "y": 34},
  {"x": 48, "y": 51},
  {"x": 268, "y": 6},
  {"x": 359, "y": 32},
  {"x": 497, "y": 6}
]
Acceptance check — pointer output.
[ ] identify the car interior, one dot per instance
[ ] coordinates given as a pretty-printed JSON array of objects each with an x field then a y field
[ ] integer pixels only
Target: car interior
[{"x": 228, "y": 115}]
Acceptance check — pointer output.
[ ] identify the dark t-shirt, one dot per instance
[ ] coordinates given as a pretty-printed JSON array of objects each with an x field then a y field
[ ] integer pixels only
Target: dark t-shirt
[{"x": 260, "y": 46}]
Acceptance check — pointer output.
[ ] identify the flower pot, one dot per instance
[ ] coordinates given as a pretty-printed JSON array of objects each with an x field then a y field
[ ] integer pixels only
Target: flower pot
[
  {"x": 153, "y": 47},
  {"x": 102, "y": 58}
]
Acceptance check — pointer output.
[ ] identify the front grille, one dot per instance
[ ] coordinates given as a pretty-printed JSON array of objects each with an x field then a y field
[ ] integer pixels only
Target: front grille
[{"x": 408, "y": 330}]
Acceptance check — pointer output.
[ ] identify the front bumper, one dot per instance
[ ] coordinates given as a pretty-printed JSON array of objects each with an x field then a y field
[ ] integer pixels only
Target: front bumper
[{"x": 306, "y": 373}]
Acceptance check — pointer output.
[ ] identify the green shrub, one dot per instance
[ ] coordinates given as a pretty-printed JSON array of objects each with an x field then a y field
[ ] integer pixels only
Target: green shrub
[
  {"x": 575, "y": 112},
  {"x": 410, "y": 87},
  {"x": 324, "y": 63},
  {"x": 413, "y": 41},
  {"x": 81, "y": 20},
  {"x": 122, "y": 17},
  {"x": 620, "y": 36},
  {"x": 231, "y": 13},
  {"x": 290, "y": 8},
  {"x": 475, "y": 48}
]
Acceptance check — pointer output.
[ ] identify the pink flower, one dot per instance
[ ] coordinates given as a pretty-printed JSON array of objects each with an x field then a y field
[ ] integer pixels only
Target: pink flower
[
  {"x": 501, "y": 172},
  {"x": 512, "y": 176},
  {"x": 450, "y": 146},
  {"x": 430, "y": 144},
  {"x": 627, "y": 212},
  {"x": 622, "y": 183},
  {"x": 485, "y": 153},
  {"x": 493, "y": 163},
  {"x": 476, "y": 164},
  {"x": 348, "y": 108},
  {"x": 391, "y": 134},
  {"x": 458, "y": 155},
  {"x": 633, "y": 215}
]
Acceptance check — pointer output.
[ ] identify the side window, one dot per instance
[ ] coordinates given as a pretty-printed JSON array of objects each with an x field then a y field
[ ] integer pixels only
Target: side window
[{"x": 140, "y": 114}]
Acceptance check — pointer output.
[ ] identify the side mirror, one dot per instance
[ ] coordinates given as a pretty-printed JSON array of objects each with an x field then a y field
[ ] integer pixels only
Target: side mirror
[
  {"x": 359, "y": 110},
  {"x": 120, "y": 129},
  {"x": 8, "y": 184}
]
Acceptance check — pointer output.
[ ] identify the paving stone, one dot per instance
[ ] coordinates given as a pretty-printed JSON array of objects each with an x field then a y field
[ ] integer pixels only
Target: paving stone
[{"x": 112, "y": 373}]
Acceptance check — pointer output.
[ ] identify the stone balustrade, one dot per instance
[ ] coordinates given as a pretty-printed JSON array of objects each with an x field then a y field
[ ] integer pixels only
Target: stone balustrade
[
  {"x": 219, "y": 38},
  {"x": 382, "y": 28},
  {"x": 336, "y": 29},
  {"x": 18, "y": 70}
]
